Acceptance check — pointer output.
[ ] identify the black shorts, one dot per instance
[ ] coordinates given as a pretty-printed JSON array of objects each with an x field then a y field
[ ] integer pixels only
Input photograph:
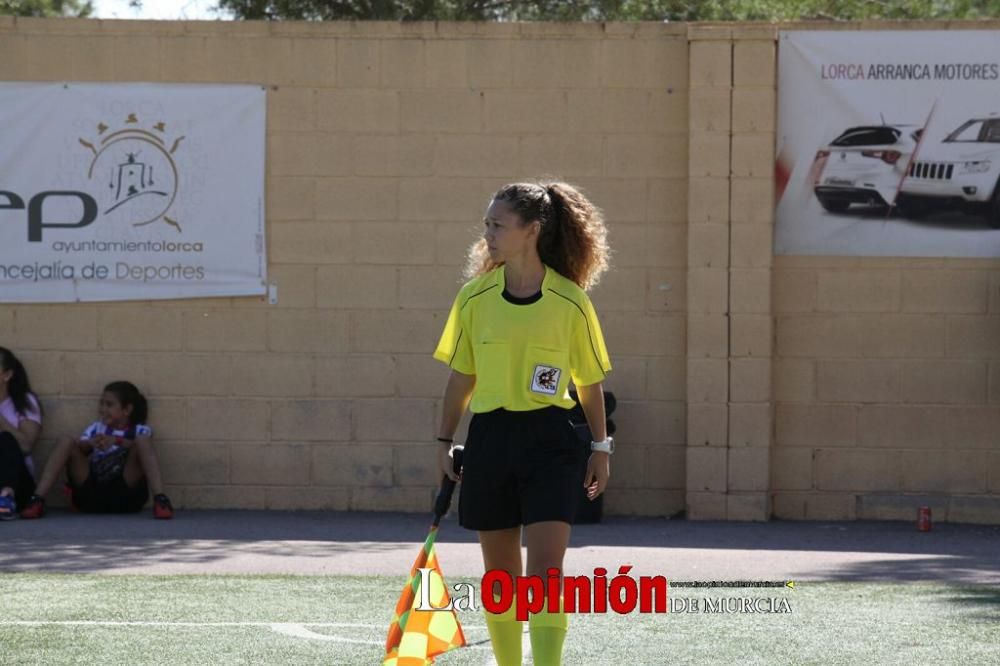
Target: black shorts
[
  {"x": 113, "y": 496},
  {"x": 520, "y": 468},
  {"x": 14, "y": 470}
]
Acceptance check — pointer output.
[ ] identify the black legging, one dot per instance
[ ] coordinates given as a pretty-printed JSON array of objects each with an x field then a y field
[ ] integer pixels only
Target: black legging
[{"x": 14, "y": 471}]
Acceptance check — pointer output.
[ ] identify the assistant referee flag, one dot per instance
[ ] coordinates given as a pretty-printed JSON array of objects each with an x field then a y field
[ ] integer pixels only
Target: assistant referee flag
[{"x": 416, "y": 637}]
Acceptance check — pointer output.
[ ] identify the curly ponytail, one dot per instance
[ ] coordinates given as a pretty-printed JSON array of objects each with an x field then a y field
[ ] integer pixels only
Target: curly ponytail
[{"x": 573, "y": 238}]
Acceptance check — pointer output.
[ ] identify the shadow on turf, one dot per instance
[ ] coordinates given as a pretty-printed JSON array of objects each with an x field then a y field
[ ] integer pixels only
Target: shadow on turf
[
  {"x": 971, "y": 567},
  {"x": 69, "y": 542},
  {"x": 88, "y": 557},
  {"x": 985, "y": 601}
]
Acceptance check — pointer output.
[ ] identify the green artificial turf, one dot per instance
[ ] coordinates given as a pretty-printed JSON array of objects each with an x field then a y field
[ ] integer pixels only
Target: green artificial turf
[{"x": 231, "y": 620}]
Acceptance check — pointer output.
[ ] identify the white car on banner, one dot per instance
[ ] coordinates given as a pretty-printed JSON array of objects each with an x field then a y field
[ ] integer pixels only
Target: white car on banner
[
  {"x": 962, "y": 171},
  {"x": 864, "y": 165}
]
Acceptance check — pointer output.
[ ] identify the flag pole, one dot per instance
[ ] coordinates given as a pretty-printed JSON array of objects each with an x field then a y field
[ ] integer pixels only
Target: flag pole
[{"x": 409, "y": 622}]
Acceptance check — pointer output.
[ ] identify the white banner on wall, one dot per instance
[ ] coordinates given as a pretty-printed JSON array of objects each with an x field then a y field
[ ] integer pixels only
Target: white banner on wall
[
  {"x": 888, "y": 144},
  {"x": 131, "y": 191}
]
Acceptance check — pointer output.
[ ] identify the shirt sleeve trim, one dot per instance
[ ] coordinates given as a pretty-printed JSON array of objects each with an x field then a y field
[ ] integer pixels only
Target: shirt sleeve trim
[
  {"x": 455, "y": 353},
  {"x": 590, "y": 334},
  {"x": 478, "y": 293},
  {"x": 451, "y": 359}
]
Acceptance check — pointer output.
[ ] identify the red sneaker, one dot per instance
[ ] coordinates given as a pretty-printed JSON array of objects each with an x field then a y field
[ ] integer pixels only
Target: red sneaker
[
  {"x": 162, "y": 509},
  {"x": 35, "y": 508},
  {"x": 68, "y": 494}
]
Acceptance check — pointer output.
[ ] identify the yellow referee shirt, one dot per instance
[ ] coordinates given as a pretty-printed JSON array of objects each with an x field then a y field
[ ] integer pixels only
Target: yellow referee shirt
[{"x": 523, "y": 356}]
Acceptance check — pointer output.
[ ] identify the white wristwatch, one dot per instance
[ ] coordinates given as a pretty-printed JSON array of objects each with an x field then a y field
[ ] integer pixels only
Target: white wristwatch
[{"x": 606, "y": 445}]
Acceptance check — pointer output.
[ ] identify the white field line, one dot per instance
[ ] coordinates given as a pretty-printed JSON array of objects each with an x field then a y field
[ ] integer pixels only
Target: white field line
[
  {"x": 151, "y": 623},
  {"x": 126, "y": 623},
  {"x": 294, "y": 629}
]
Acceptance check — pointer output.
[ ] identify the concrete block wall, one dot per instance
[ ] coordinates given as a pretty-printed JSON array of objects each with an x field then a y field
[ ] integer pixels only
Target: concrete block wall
[
  {"x": 825, "y": 388},
  {"x": 885, "y": 381},
  {"x": 384, "y": 143},
  {"x": 729, "y": 287},
  {"x": 885, "y": 388},
  {"x": 750, "y": 386}
]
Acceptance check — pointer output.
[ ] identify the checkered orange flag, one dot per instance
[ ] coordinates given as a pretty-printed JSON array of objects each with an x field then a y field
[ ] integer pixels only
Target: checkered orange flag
[{"x": 416, "y": 637}]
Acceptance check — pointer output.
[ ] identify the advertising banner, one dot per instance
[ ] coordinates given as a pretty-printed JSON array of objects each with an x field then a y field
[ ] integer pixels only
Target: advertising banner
[
  {"x": 888, "y": 144},
  {"x": 131, "y": 192}
]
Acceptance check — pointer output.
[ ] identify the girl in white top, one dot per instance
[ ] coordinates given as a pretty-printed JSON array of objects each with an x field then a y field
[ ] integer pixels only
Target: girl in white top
[{"x": 20, "y": 426}]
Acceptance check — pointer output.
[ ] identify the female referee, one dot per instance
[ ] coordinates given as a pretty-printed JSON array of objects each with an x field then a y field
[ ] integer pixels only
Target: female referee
[{"x": 520, "y": 329}]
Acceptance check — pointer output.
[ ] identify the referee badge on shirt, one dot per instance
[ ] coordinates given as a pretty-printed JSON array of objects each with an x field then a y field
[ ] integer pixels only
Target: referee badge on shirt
[{"x": 545, "y": 379}]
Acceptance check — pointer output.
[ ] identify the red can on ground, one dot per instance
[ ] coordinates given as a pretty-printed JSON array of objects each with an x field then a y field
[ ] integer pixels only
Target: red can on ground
[{"x": 924, "y": 519}]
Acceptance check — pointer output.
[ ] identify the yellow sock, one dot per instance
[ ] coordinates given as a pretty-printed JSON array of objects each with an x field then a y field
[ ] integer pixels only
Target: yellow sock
[
  {"x": 548, "y": 630},
  {"x": 505, "y": 635}
]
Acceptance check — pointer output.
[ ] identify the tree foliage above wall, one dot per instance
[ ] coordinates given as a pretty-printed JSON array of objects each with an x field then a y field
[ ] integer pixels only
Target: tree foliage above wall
[
  {"x": 556, "y": 10},
  {"x": 609, "y": 10},
  {"x": 77, "y": 8}
]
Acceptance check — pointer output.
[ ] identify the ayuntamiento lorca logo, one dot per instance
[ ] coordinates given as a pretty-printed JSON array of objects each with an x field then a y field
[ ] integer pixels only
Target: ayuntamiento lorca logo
[{"x": 134, "y": 172}]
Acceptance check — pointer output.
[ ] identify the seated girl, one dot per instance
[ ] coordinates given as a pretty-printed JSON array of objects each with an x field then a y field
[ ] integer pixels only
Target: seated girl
[{"x": 112, "y": 466}]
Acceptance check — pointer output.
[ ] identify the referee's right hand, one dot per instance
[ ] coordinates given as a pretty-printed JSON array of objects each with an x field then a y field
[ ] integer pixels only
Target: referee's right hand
[{"x": 446, "y": 463}]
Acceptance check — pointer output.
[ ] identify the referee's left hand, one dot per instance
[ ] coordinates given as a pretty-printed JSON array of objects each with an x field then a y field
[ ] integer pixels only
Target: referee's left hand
[{"x": 598, "y": 471}]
